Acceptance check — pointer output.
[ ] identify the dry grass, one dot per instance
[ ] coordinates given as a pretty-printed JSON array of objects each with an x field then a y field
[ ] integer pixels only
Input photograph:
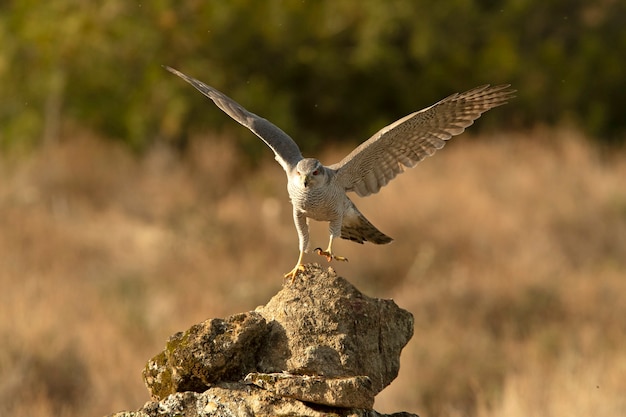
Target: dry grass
[{"x": 510, "y": 252}]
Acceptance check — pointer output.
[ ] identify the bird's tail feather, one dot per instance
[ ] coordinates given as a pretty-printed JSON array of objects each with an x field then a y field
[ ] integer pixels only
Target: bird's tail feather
[{"x": 359, "y": 229}]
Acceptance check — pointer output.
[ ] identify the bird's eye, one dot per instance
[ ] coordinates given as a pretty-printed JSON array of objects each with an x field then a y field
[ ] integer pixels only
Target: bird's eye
[{"x": 316, "y": 172}]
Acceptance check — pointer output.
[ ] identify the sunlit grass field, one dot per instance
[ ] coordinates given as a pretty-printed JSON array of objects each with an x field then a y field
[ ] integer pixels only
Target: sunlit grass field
[{"x": 510, "y": 251}]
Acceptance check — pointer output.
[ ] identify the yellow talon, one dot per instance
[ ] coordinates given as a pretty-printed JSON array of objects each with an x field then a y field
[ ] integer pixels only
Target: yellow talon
[
  {"x": 329, "y": 256},
  {"x": 292, "y": 274},
  {"x": 299, "y": 267}
]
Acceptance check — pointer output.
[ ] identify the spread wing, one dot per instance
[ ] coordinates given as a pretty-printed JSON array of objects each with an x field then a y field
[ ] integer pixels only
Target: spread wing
[
  {"x": 409, "y": 140},
  {"x": 286, "y": 150}
]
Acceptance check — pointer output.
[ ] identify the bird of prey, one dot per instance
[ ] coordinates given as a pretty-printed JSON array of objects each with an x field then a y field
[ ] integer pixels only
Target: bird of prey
[{"x": 318, "y": 192}]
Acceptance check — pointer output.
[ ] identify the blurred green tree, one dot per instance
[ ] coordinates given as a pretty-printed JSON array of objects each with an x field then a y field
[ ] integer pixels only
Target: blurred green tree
[{"x": 322, "y": 70}]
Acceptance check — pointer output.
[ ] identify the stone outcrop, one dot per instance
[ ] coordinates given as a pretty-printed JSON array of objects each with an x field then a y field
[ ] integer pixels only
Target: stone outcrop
[
  {"x": 210, "y": 352},
  {"x": 318, "y": 347}
]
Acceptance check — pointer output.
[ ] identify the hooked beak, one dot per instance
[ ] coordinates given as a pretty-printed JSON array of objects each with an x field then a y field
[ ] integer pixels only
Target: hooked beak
[{"x": 305, "y": 180}]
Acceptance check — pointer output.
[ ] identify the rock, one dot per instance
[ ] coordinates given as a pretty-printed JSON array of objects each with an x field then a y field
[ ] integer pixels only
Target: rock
[
  {"x": 318, "y": 347},
  {"x": 322, "y": 325},
  {"x": 209, "y": 352},
  {"x": 349, "y": 392},
  {"x": 232, "y": 399}
]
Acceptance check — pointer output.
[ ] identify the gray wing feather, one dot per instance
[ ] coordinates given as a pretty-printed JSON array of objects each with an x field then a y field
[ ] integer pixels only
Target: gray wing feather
[
  {"x": 286, "y": 150},
  {"x": 409, "y": 140}
]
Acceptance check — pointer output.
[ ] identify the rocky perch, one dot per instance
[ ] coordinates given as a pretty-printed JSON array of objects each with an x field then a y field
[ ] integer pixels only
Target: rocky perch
[{"x": 319, "y": 347}]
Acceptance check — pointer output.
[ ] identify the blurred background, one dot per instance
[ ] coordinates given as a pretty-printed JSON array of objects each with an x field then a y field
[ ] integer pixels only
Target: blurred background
[{"x": 131, "y": 207}]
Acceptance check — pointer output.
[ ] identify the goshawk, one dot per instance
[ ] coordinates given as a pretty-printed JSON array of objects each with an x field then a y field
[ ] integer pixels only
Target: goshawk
[{"x": 318, "y": 192}]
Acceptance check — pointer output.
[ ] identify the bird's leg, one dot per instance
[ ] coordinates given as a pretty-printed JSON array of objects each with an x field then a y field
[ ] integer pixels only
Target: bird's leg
[
  {"x": 328, "y": 253},
  {"x": 299, "y": 267},
  {"x": 302, "y": 227}
]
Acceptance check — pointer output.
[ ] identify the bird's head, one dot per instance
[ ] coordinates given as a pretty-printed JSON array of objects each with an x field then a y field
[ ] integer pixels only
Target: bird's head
[{"x": 310, "y": 172}]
